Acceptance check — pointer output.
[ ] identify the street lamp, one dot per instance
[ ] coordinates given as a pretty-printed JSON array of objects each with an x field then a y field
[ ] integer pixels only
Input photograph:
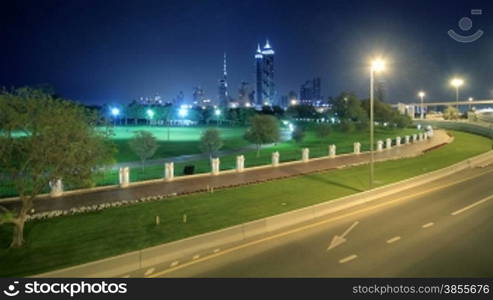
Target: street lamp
[
  {"x": 377, "y": 65},
  {"x": 421, "y": 95},
  {"x": 471, "y": 99},
  {"x": 115, "y": 112},
  {"x": 457, "y": 83},
  {"x": 150, "y": 113}
]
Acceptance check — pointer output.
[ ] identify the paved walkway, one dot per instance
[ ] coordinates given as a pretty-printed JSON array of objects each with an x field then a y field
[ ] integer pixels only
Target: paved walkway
[{"x": 200, "y": 183}]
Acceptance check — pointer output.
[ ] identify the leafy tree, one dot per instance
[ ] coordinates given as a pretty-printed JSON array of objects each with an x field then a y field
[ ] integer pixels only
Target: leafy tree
[
  {"x": 451, "y": 113},
  {"x": 43, "y": 139},
  {"x": 210, "y": 141},
  {"x": 298, "y": 135},
  {"x": 135, "y": 111},
  {"x": 347, "y": 126},
  {"x": 144, "y": 144},
  {"x": 263, "y": 129},
  {"x": 323, "y": 131}
]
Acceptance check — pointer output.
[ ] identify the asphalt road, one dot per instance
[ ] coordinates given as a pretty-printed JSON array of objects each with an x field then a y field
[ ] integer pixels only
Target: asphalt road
[
  {"x": 196, "y": 184},
  {"x": 441, "y": 229}
]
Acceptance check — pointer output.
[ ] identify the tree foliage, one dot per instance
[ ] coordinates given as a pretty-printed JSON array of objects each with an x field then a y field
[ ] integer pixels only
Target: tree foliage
[
  {"x": 298, "y": 134},
  {"x": 210, "y": 141},
  {"x": 451, "y": 113},
  {"x": 144, "y": 144},
  {"x": 323, "y": 131},
  {"x": 43, "y": 139},
  {"x": 263, "y": 129}
]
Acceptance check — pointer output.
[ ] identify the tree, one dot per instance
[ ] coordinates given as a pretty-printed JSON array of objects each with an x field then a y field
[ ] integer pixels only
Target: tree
[
  {"x": 144, "y": 144},
  {"x": 43, "y": 139},
  {"x": 210, "y": 141},
  {"x": 263, "y": 129},
  {"x": 323, "y": 131},
  {"x": 451, "y": 113},
  {"x": 347, "y": 126},
  {"x": 298, "y": 135}
]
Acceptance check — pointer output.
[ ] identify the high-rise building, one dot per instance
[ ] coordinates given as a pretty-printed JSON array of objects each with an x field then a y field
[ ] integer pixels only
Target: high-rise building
[
  {"x": 245, "y": 94},
  {"x": 310, "y": 92},
  {"x": 223, "y": 87},
  {"x": 264, "y": 63}
]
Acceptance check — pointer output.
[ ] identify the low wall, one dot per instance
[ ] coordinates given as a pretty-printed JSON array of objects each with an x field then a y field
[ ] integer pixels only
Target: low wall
[
  {"x": 480, "y": 128},
  {"x": 168, "y": 252}
]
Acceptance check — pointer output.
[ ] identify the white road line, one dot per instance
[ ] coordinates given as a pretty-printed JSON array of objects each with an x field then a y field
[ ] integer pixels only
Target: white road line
[
  {"x": 149, "y": 271},
  {"x": 217, "y": 250},
  {"x": 175, "y": 263},
  {"x": 471, "y": 206},
  {"x": 196, "y": 257},
  {"x": 349, "y": 258},
  {"x": 428, "y": 225},
  {"x": 394, "y": 239}
]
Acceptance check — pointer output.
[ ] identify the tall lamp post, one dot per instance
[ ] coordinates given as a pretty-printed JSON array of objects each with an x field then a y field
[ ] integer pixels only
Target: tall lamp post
[
  {"x": 115, "y": 112},
  {"x": 150, "y": 114},
  {"x": 377, "y": 65},
  {"x": 457, "y": 83},
  {"x": 422, "y": 95}
]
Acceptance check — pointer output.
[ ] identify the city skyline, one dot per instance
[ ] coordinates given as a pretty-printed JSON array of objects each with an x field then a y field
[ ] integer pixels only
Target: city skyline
[{"x": 115, "y": 53}]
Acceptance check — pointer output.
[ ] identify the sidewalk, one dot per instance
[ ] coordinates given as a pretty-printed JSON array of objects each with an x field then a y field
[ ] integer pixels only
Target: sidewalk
[{"x": 192, "y": 184}]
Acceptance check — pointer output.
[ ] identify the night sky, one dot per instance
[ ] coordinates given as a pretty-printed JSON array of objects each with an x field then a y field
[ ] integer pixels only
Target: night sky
[{"x": 113, "y": 51}]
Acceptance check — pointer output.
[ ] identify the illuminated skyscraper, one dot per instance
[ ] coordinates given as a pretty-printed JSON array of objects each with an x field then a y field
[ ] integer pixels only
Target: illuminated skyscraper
[
  {"x": 264, "y": 63},
  {"x": 223, "y": 86}
]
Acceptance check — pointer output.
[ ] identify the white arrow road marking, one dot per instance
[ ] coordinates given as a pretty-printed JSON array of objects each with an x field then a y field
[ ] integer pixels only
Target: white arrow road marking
[
  {"x": 337, "y": 240},
  {"x": 428, "y": 225},
  {"x": 394, "y": 239},
  {"x": 471, "y": 206},
  {"x": 349, "y": 258},
  {"x": 149, "y": 271}
]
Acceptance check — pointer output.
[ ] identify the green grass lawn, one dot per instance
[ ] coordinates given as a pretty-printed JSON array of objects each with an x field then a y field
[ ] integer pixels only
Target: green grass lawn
[{"x": 66, "y": 241}]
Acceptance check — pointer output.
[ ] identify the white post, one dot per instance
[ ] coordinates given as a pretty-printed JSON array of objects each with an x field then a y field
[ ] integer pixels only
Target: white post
[
  {"x": 124, "y": 177},
  {"x": 407, "y": 138},
  {"x": 415, "y": 138},
  {"x": 388, "y": 144},
  {"x": 421, "y": 137},
  {"x": 357, "y": 148},
  {"x": 305, "y": 154},
  {"x": 275, "y": 159},
  {"x": 240, "y": 163},
  {"x": 380, "y": 146},
  {"x": 169, "y": 171},
  {"x": 398, "y": 141},
  {"x": 332, "y": 151},
  {"x": 56, "y": 188},
  {"x": 215, "y": 166}
]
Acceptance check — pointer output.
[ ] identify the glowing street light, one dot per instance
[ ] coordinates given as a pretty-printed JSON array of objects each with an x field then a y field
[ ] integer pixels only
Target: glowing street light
[
  {"x": 377, "y": 65},
  {"x": 115, "y": 112},
  {"x": 294, "y": 102},
  {"x": 183, "y": 112},
  {"x": 150, "y": 113},
  {"x": 471, "y": 99},
  {"x": 217, "y": 112},
  {"x": 457, "y": 83},
  {"x": 421, "y": 95}
]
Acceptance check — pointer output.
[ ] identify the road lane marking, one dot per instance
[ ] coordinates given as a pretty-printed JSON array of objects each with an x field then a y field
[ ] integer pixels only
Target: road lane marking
[
  {"x": 428, "y": 225},
  {"x": 126, "y": 276},
  {"x": 149, "y": 271},
  {"x": 394, "y": 239},
  {"x": 349, "y": 258},
  {"x": 196, "y": 257},
  {"x": 217, "y": 250},
  {"x": 339, "y": 217},
  {"x": 175, "y": 263},
  {"x": 472, "y": 205}
]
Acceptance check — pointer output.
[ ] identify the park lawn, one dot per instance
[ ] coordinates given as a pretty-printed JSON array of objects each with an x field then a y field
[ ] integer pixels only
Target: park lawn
[
  {"x": 183, "y": 140},
  {"x": 66, "y": 241},
  {"x": 289, "y": 151}
]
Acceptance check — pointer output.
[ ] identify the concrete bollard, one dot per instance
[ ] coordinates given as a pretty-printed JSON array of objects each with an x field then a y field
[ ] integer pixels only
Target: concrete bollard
[
  {"x": 275, "y": 159},
  {"x": 56, "y": 188},
  {"x": 124, "y": 175},
  {"x": 398, "y": 141},
  {"x": 357, "y": 148},
  {"x": 332, "y": 151},
  {"x": 415, "y": 138},
  {"x": 407, "y": 139},
  {"x": 169, "y": 171},
  {"x": 388, "y": 144},
  {"x": 215, "y": 165},
  {"x": 305, "y": 154},
  {"x": 240, "y": 163},
  {"x": 421, "y": 138},
  {"x": 380, "y": 146}
]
